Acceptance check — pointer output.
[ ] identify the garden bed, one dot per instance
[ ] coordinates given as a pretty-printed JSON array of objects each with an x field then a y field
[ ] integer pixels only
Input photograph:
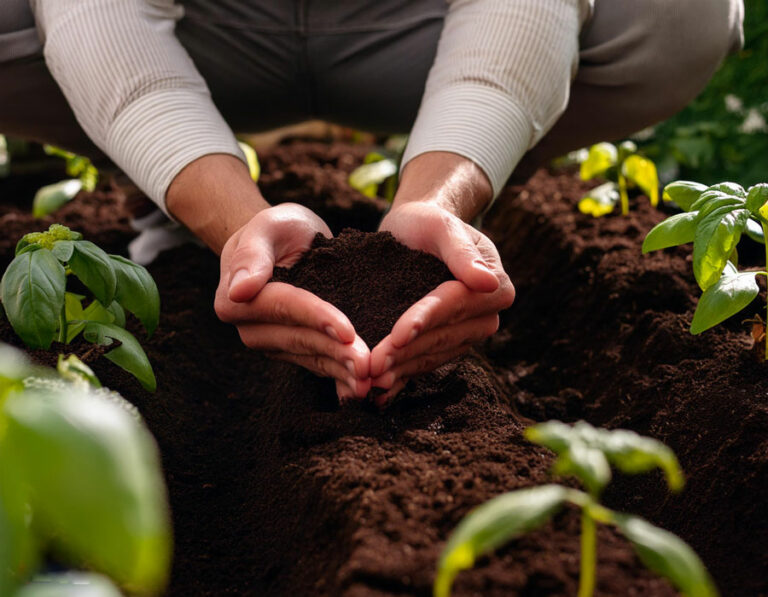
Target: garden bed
[{"x": 276, "y": 491}]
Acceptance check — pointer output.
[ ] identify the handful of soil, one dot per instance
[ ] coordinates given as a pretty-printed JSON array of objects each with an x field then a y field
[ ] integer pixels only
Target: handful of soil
[{"x": 369, "y": 276}]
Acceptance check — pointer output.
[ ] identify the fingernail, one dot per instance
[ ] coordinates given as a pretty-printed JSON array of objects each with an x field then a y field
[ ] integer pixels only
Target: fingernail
[
  {"x": 388, "y": 362},
  {"x": 332, "y": 333},
  {"x": 238, "y": 276},
  {"x": 350, "y": 366}
]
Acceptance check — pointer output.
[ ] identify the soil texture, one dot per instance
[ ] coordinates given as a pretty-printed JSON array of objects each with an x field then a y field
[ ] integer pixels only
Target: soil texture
[{"x": 275, "y": 490}]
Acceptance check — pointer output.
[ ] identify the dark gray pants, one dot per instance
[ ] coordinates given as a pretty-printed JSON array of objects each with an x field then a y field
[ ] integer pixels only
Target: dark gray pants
[{"x": 364, "y": 64}]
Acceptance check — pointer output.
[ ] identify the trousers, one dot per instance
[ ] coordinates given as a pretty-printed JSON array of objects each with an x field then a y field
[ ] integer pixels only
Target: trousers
[{"x": 364, "y": 63}]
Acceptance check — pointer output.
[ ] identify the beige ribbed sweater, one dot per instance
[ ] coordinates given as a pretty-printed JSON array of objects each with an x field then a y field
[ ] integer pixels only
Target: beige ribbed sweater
[{"x": 499, "y": 81}]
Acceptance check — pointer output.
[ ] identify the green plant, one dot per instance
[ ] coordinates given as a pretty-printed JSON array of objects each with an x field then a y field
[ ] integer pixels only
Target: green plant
[
  {"x": 80, "y": 479},
  {"x": 623, "y": 167},
  {"x": 51, "y": 197},
  {"x": 714, "y": 219},
  {"x": 378, "y": 175},
  {"x": 586, "y": 453},
  {"x": 254, "y": 168},
  {"x": 34, "y": 294}
]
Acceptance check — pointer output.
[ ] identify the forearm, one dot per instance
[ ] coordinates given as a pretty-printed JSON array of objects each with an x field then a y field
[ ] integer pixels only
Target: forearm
[
  {"x": 445, "y": 179},
  {"x": 214, "y": 197}
]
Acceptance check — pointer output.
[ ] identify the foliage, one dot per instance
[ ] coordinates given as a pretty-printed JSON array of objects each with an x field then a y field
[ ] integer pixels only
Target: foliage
[
  {"x": 79, "y": 478},
  {"x": 722, "y": 133},
  {"x": 254, "y": 168},
  {"x": 378, "y": 175},
  {"x": 586, "y": 453},
  {"x": 78, "y": 166},
  {"x": 623, "y": 167},
  {"x": 38, "y": 305},
  {"x": 5, "y": 157},
  {"x": 714, "y": 220}
]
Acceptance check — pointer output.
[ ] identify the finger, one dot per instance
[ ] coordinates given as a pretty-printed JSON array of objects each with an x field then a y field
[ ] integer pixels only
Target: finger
[
  {"x": 250, "y": 265},
  {"x": 457, "y": 248},
  {"x": 386, "y": 355},
  {"x": 449, "y": 303},
  {"x": 417, "y": 365},
  {"x": 269, "y": 337},
  {"x": 320, "y": 365},
  {"x": 286, "y": 304},
  {"x": 383, "y": 400}
]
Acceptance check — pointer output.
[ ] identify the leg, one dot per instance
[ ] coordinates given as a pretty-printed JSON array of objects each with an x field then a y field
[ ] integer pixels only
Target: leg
[{"x": 641, "y": 61}]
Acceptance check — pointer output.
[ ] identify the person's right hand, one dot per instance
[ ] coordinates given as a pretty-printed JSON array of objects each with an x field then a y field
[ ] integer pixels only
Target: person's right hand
[{"x": 286, "y": 322}]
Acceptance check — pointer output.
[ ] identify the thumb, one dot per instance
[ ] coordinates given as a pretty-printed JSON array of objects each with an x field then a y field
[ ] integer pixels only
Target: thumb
[
  {"x": 460, "y": 253},
  {"x": 250, "y": 269}
]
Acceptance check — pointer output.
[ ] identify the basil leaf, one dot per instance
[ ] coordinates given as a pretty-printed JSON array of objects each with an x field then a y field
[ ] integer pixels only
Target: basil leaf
[
  {"x": 600, "y": 201},
  {"x": 51, "y": 197},
  {"x": 94, "y": 269},
  {"x": 492, "y": 524},
  {"x": 678, "y": 229},
  {"x": 137, "y": 292},
  {"x": 668, "y": 555},
  {"x": 717, "y": 234},
  {"x": 642, "y": 172},
  {"x": 731, "y": 293},
  {"x": 757, "y": 197},
  {"x": 368, "y": 177},
  {"x": 601, "y": 157},
  {"x": 32, "y": 292},
  {"x": 129, "y": 355},
  {"x": 70, "y": 584},
  {"x": 683, "y": 192},
  {"x": 587, "y": 464},
  {"x": 63, "y": 249}
]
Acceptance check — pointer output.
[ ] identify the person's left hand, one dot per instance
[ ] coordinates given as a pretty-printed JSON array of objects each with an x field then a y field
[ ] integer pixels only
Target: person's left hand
[{"x": 455, "y": 315}]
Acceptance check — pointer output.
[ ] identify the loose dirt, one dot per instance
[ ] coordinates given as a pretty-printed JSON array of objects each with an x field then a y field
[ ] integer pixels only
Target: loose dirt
[{"x": 275, "y": 490}]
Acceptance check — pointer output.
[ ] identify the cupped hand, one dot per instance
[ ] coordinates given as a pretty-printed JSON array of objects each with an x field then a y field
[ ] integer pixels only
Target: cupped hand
[
  {"x": 455, "y": 315},
  {"x": 286, "y": 322}
]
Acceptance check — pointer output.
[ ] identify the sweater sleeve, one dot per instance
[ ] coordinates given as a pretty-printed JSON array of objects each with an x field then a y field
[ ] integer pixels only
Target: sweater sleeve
[
  {"x": 132, "y": 86},
  {"x": 499, "y": 82}
]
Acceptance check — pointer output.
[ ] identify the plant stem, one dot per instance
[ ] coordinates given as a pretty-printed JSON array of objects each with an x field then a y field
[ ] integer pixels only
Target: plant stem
[
  {"x": 765, "y": 243},
  {"x": 588, "y": 555},
  {"x": 623, "y": 195},
  {"x": 63, "y": 324}
]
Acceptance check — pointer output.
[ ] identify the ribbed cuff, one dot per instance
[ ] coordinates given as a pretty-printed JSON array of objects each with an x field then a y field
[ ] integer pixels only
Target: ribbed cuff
[
  {"x": 478, "y": 122},
  {"x": 155, "y": 137}
]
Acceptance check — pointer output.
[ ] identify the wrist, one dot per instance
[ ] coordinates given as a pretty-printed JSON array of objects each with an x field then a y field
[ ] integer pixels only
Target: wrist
[
  {"x": 214, "y": 196},
  {"x": 447, "y": 180}
]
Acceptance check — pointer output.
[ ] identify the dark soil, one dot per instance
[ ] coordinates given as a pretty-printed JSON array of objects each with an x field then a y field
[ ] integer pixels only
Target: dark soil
[{"x": 277, "y": 491}]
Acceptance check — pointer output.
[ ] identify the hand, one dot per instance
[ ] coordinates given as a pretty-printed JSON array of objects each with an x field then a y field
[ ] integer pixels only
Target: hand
[
  {"x": 286, "y": 322},
  {"x": 455, "y": 315}
]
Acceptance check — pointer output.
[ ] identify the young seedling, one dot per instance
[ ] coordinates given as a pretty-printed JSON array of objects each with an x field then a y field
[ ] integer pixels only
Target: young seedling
[
  {"x": 586, "y": 453},
  {"x": 80, "y": 478},
  {"x": 378, "y": 175},
  {"x": 623, "y": 167},
  {"x": 38, "y": 305},
  {"x": 84, "y": 178},
  {"x": 714, "y": 219}
]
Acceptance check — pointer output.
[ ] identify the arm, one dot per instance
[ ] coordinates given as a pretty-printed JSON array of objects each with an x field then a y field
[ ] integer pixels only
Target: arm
[
  {"x": 500, "y": 80},
  {"x": 137, "y": 94}
]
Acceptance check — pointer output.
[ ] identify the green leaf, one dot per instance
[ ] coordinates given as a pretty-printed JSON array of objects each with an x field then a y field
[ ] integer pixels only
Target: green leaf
[
  {"x": 14, "y": 367},
  {"x": 492, "y": 524},
  {"x": 642, "y": 172},
  {"x": 757, "y": 197},
  {"x": 368, "y": 177},
  {"x": 719, "y": 198},
  {"x": 755, "y": 231},
  {"x": 63, "y": 250},
  {"x": 730, "y": 188},
  {"x": 32, "y": 292},
  {"x": 600, "y": 201},
  {"x": 73, "y": 308},
  {"x": 94, "y": 269},
  {"x": 728, "y": 296},
  {"x": 51, "y": 197},
  {"x": 632, "y": 454},
  {"x": 96, "y": 487},
  {"x": 96, "y": 312},
  {"x": 717, "y": 235},
  {"x": 600, "y": 158},
  {"x": 254, "y": 169},
  {"x": 678, "y": 229},
  {"x": 70, "y": 584},
  {"x": 129, "y": 355},
  {"x": 683, "y": 192},
  {"x": 118, "y": 314},
  {"x": 137, "y": 292},
  {"x": 587, "y": 464},
  {"x": 5, "y": 158},
  {"x": 669, "y": 556},
  {"x": 555, "y": 435}
]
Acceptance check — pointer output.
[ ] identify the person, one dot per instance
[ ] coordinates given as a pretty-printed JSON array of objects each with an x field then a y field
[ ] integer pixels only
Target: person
[{"x": 485, "y": 88}]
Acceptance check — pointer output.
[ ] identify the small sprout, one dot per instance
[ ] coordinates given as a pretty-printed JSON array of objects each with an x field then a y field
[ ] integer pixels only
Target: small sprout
[
  {"x": 254, "y": 168},
  {"x": 586, "y": 453},
  {"x": 51, "y": 197},
  {"x": 714, "y": 220},
  {"x": 624, "y": 167},
  {"x": 40, "y": 309},
  {"x": 75, "y": 371},
  {"x": 78, "y": 166},
  {"x": 378, "y": 175}
]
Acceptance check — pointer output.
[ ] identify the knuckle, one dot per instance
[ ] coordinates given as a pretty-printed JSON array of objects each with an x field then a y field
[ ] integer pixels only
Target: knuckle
[{"x": 280, "y": 311}]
